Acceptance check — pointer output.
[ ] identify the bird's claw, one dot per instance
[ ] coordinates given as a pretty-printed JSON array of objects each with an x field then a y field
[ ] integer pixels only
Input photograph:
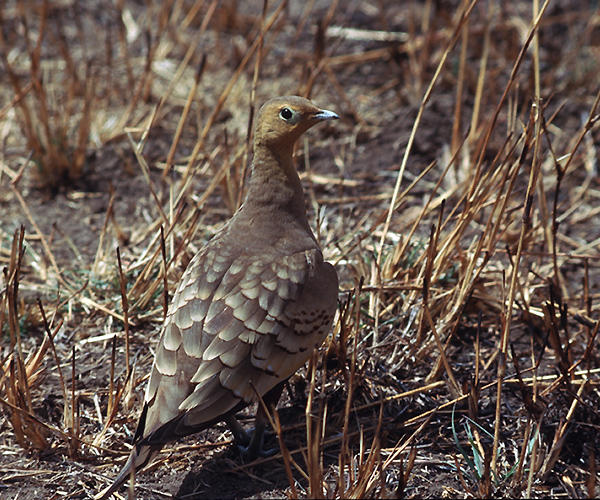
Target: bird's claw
[
  {"x": 254, "y": 446},
  {"x": 248, "y": 454}
]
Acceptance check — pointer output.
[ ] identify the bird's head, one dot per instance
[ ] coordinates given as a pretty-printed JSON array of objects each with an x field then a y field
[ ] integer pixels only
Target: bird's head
[{"x": 281, "y": 121}]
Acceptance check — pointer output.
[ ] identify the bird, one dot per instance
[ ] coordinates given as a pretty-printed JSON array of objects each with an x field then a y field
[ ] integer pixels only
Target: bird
[{"x": 250, "y": 308}]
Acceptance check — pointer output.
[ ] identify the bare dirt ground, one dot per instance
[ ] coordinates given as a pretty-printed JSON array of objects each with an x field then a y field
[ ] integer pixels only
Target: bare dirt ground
[{"x": 458, "y": 198}]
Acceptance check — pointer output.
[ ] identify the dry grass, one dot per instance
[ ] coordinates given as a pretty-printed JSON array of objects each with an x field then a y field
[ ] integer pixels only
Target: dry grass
[{"x": 458, "y": 198}]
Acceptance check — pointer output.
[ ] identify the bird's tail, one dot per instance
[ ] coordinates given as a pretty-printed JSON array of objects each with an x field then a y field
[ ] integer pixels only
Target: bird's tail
[{"x": 140, "y": 456}]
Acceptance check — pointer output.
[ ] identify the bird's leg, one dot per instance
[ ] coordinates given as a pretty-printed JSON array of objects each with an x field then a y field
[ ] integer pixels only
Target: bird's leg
[
  {"x": 240, "y": 436},
  {"x": 255, "y": 446}
]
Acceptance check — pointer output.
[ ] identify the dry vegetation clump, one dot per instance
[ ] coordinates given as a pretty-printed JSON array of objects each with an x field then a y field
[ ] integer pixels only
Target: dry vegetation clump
[{"x": 458, "y": 198}]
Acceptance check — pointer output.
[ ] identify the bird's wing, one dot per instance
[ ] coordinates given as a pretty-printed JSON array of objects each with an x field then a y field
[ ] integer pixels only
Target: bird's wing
[{"x": 237, "y": 326}]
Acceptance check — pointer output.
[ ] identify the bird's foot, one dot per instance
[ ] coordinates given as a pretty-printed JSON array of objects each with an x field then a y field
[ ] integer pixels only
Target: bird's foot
[
  {"x": 250, "y": 444},
  {"x": 249, "y": 454},
  {"x": 254, "y": 448}
]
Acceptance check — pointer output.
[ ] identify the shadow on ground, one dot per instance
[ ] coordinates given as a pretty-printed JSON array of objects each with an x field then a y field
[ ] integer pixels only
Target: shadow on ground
[{"x": 216, "y": 478}]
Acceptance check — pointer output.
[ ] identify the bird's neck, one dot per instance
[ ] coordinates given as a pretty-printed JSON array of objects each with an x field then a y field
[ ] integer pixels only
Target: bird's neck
[{"x": 274, "y": 182}]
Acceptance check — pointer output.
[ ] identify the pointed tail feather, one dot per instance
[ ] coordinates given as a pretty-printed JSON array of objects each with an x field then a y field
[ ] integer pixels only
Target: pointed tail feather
[
  {"x": 148, "y": 446},
  {"x": 139, "y": 457}
]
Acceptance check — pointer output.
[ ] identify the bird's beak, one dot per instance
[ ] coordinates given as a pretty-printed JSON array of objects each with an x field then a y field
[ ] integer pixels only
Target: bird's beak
[{"x": 324, "y": 114}]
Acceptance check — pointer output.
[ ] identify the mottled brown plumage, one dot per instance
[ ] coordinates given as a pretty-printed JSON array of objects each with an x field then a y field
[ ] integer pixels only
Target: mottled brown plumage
[{"x": 250, "y": 307}]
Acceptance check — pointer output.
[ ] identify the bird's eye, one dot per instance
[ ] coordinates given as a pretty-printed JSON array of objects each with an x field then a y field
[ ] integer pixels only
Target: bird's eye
[{"x": 286, "y": 114}]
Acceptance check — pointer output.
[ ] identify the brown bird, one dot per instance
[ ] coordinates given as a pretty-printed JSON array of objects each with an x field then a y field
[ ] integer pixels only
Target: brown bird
[{"x": 249, "y": 309}]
